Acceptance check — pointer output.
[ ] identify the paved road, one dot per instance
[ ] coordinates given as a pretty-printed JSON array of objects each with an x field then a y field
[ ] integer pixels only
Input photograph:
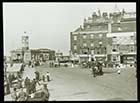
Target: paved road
[{"x": 78, "y": 84}]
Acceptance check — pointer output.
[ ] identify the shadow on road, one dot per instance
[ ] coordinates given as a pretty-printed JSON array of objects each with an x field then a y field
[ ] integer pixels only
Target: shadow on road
[
  {"x": 78, "y": 93},
  {"x": 109, "y": 72},
  {"x": 116, "y": 98}
]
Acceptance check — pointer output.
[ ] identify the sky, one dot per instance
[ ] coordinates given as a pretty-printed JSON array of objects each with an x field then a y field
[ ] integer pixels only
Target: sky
[{"x": 48, "y": 25}]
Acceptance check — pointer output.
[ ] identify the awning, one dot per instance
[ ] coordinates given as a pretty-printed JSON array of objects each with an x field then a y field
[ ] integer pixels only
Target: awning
[
  {"x": 15, "y": 68},
  {"x": 100, "y": 55},
  {"x": 132, "y": 53}
]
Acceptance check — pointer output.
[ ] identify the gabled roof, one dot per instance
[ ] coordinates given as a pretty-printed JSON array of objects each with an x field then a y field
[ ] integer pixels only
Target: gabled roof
[{"x": 78, "y": 29}]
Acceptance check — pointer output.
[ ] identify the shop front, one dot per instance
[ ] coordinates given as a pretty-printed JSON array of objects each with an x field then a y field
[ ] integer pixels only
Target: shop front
[
  {"x": 128, "y": 58},
  {"x": 101, "y": 57}
]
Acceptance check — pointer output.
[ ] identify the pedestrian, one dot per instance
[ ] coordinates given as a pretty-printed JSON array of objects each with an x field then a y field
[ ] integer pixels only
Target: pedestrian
[
  {"x": 43, "y": 78},
  {"x": 37, "y": 75},
  {"x": 28, "y": 90},
  {"x": 119, "y": 69},
  {"x": 10, "y": 80},
  {"x": 25, "y": 82},
  {"x": 14, "y": 95},
  {"x": 13, "y": 77},
  {"x": 19, "y": 83},
  {"x": 48, "y": 76},
  {"x": 34, "y": 85},
  {"x": 52, "y": 64},
  {"x": 100, "y": 68},
  {"x": 7, "y": 88},
  {"x": 45, "y": 93},
  {"x": 72, "y": 63},
  {"x": 22, "y": 95},
  {"x": 93, "y": 66}
]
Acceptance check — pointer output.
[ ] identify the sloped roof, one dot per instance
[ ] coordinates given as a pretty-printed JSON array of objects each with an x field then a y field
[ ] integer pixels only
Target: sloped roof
[{"x": 78, "y": 29}]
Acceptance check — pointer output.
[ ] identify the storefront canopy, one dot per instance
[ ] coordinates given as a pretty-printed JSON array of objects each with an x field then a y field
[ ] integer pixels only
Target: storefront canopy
[{"x": 15, "y": 68}]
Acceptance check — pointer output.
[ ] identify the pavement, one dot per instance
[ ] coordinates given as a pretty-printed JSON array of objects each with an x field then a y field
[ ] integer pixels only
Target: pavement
[{"x": 75, "y": 84}]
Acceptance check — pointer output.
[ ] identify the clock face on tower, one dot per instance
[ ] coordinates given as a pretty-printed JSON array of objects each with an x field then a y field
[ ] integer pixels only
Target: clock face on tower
[{"x": 24, "y": 40}]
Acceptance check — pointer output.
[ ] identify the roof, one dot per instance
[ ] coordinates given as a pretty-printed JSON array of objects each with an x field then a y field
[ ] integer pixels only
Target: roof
[
  {"x": 15, "y": 68},
  {"x": 90, "y": 32},
  {"x": 122, "y": 34},
  {"x": 78, "y": 29}
]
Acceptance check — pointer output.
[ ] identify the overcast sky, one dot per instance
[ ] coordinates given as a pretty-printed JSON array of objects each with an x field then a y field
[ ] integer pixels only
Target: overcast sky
[{"x": 48, "y": 24}]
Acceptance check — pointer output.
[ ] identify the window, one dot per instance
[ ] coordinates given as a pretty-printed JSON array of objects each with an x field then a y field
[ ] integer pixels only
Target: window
[
  {"x": 92, "y": 44},
  {"x": 84, "y": 36},
  {"x": 132, "y": 37},
  {"x": 98, "y": 52},
  {"x": 100, "y": 43},
  {"x": 100, "y": 35},
  {"x": 92, "y": 51},
  {"x": 75, "y": 54},
  {"x": 119, "y": 29},
  {"x": 114, "y": 39},
  {"x": 91, "y": 35},
  {"x": 85, "y": 44},
  {"x": 75, "y": 47},
  {"x": 75, "y": 37},
  {"x": 114, "y": 48},
  {"x": 132, "y": 49},
  {"x": 88, "y": 26}
]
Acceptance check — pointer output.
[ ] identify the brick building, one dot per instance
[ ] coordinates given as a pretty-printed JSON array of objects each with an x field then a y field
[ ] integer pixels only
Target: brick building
[
  {"x": 122, "y": 38},
  {"x": 90, "y": 40},
  {"x": 95, "y": 38}
]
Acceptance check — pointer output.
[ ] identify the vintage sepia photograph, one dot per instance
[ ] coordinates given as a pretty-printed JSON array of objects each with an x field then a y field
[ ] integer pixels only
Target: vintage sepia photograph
[{"x": 70, "y": 51}]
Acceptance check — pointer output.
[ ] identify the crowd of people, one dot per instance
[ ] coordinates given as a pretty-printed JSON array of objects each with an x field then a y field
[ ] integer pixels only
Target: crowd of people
[
  {"x": 21, "y": 89},
  {"x": 30, "y": 87}
]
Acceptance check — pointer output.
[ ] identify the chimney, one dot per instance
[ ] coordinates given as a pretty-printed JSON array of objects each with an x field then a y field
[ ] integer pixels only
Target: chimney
[
  {"x": 94, "y": 15},
  {"x": 104, "y": 15},
  {"x": 81, "y": 26}
]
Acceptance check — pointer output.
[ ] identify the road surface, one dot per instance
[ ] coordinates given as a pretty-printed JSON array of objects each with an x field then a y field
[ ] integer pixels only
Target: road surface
[{"x": 70, "y": 84}]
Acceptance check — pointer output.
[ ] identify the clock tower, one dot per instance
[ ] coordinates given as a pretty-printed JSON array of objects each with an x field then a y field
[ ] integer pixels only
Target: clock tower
[{"x": 25, "y": 42}]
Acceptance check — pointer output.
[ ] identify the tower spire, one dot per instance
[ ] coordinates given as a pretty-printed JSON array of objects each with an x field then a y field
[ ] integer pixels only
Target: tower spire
[
  {"x": 99, "y": 12},
  {"x": 115, "y": 6}
]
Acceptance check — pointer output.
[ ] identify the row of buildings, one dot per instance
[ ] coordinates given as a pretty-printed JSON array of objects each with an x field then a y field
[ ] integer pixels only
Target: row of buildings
[
  {"x": 106, "y": 36},
  {"x": 25, "y": 54}
]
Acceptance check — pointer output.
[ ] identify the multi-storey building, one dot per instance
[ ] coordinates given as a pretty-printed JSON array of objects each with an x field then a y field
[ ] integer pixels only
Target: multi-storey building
[
  {"x": 90, "y": 40},
  {"x": 96, "y": 36},
  {"x": 122, "y": 38}
]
